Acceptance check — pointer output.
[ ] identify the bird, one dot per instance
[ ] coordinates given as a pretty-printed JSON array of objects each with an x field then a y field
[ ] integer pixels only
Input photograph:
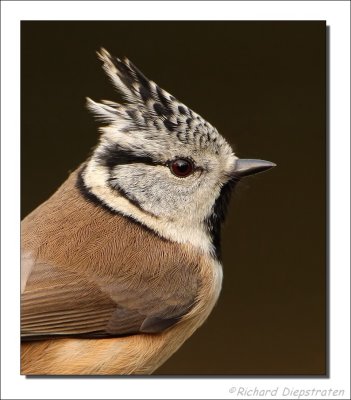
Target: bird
[{"x": 122, "y": 264}]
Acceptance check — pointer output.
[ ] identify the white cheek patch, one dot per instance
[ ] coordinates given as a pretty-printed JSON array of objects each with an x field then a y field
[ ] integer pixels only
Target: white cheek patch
[{"x": 184, "y": 229}]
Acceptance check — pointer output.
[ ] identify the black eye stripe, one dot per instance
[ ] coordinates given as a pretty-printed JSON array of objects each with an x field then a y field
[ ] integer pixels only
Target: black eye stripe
[{"x": 115, "y": 155}]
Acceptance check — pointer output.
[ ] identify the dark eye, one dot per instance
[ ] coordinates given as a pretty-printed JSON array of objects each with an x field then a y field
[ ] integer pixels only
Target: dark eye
[{"x": 181, "y": 167}]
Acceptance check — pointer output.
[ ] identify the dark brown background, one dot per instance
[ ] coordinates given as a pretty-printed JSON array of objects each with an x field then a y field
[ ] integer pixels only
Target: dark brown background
[{"x": 262, "y": 84}]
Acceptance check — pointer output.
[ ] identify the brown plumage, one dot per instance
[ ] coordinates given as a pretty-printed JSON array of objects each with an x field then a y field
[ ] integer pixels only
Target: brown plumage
[
  {"x": 79, "y": 280},
  {"x": 121, "y": 265}
]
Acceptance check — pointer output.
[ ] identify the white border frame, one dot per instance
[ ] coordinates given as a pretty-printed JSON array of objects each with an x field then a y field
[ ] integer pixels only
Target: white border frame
[{"x": 336, "y": 13}]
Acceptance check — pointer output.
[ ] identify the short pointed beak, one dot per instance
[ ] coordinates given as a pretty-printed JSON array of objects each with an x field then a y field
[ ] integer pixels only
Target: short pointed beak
[{"x": 249, "y": 167}]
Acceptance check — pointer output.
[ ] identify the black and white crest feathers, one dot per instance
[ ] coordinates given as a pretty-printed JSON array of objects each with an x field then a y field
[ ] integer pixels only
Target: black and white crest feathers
[{"x": 149, "y": 107}]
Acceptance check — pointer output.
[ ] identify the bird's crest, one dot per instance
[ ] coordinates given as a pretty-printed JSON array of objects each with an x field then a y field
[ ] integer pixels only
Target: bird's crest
[{"x": 149, "y": 107}]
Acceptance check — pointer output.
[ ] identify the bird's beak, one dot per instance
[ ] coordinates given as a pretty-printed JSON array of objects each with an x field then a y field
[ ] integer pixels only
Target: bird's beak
[{"x": 249, "y": 167}]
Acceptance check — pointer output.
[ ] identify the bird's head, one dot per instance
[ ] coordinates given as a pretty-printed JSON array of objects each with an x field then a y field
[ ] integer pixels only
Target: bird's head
[{"x": 161, "y": 163}]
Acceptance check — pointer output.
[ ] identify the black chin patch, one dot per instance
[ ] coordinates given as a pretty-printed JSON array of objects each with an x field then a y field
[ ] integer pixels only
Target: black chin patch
[{"x": 219, "y": 212}]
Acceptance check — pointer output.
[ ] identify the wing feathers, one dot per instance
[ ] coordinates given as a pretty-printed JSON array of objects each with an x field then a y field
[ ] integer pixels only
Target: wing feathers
[{"x": 113, "y": 278}]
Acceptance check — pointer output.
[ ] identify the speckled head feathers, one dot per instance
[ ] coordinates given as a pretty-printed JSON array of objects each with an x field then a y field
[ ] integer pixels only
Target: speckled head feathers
[{"x": 150, "y": 109}]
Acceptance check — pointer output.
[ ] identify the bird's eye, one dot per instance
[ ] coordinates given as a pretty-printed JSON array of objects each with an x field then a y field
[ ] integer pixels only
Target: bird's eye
[{"x": 181, "y": 167}]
